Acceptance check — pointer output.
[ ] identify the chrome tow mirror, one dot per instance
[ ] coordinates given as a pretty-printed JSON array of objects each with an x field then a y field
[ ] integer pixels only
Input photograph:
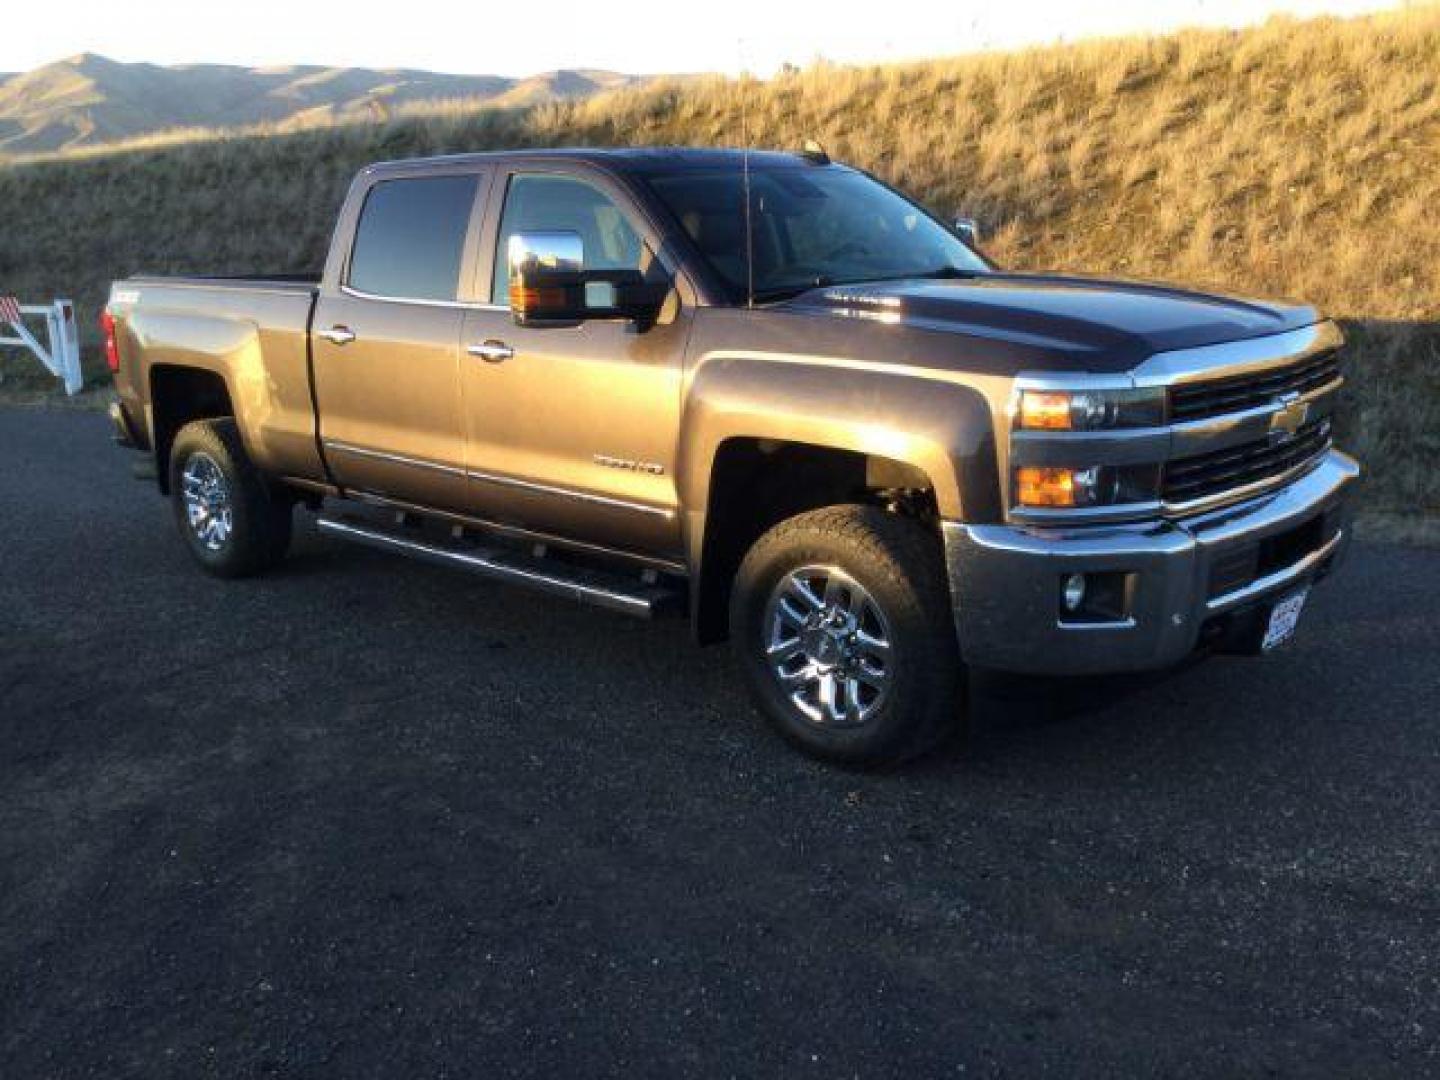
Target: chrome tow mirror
[
  {"x": 968, "y": 229},
  {"x": 547, "y": 277},
  {"x": 545, "y": 252},
  {"x": 549, "y": 284}
]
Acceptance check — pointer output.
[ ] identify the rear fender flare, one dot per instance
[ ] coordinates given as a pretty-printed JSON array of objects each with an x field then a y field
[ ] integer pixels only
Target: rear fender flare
[{"x": 226, "y": 347}]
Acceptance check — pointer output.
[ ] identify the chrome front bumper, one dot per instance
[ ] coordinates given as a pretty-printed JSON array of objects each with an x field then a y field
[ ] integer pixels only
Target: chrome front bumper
[{"x": 1005, "y": 580}]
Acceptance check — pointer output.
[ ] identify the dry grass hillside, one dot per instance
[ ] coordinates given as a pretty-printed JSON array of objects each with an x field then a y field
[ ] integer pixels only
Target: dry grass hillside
[{"x": 1299, "y": 158}]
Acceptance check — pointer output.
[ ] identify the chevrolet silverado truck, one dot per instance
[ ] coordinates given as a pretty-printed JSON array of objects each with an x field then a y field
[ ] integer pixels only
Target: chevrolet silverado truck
[{"x": 767, "y": 391}]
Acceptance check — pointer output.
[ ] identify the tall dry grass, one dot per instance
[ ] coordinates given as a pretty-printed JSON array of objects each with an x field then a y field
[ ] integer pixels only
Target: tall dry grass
[{"x": 1298, "y": 158}]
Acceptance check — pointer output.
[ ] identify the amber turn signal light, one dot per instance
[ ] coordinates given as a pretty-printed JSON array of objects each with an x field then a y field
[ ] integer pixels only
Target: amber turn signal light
[
  {"x": 1045, "y": 410},
  {"x": 526, "y": 298},
  {"x": 1038, "y": 485}
]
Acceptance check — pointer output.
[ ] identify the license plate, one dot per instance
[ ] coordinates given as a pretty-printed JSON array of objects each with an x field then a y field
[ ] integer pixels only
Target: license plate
[{"x": 1283, "y": 618}]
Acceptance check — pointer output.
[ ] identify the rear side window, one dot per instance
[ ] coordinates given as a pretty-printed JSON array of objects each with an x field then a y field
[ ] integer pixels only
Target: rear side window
[{"x": 411, "y": 237}]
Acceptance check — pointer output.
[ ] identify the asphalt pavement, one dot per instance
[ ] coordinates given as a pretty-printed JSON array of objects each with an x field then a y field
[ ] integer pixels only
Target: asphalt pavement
[{"x": 363, "y": 817}]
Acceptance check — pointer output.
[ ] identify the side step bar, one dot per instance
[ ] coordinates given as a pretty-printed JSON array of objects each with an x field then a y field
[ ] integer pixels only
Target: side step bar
[{"x": 612, "y": 591}]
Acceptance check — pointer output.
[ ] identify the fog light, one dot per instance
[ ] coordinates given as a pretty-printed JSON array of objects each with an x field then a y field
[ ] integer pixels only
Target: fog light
[{"x": 1073, "y": 592}]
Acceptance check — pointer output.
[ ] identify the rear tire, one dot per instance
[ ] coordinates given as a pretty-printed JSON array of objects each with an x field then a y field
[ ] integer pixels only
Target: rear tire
[
  {"x": 842, "y": 622},
  {"x": 234, "y": 523}
]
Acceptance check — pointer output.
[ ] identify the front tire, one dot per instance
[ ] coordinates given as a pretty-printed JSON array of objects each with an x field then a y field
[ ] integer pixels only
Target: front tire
[
  {"x": 233, "y": 522},
  {"x": 842, "y": 622}
]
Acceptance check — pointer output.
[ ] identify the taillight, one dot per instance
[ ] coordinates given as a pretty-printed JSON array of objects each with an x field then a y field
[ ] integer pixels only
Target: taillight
[{"x": 112, "y": 348}]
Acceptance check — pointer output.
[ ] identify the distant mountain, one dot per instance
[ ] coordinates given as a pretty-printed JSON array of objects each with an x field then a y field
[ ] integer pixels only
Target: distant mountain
[{"x": 90, "y": 99}]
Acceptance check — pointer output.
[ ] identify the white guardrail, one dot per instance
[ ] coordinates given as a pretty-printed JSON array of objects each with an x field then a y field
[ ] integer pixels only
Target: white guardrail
[{"x": 61, "y": 352}]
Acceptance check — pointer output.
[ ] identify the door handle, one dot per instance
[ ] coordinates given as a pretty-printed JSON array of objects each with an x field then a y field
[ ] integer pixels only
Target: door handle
[
  {"x": 492, "y": 352},
  {"x": 339, "y": 335}
]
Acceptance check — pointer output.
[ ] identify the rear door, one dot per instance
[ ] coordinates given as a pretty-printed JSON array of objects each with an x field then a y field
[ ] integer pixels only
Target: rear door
[
  {"x": 573, "y": 430},
  {"x": 386, "y": 338}
]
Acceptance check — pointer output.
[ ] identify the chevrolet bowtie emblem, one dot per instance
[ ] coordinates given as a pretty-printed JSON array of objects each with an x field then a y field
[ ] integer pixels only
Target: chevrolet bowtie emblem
[{"x": 1289, "y": 417}]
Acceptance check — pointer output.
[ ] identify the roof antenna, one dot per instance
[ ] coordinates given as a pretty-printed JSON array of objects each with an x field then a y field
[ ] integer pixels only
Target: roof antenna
[
  {"x": 814, "y": 153},
  {"x": 745, "y": 180}
]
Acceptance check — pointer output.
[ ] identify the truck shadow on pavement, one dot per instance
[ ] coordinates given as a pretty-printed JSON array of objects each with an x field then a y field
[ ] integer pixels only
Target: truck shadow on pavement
[{"x": 656, "y": 670}]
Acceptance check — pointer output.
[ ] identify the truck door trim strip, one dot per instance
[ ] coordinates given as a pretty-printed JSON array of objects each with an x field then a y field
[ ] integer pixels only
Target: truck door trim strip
[
  {"x": 494, "y": 478},
  {"x": 570, "y": 493},
  {"x": 399, "y": 459}
]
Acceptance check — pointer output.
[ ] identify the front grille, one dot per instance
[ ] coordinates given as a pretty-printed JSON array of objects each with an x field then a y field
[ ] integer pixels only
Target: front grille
[
  {"x": 1218, "y": 471},
  {"x": 1215, "y": 397}
]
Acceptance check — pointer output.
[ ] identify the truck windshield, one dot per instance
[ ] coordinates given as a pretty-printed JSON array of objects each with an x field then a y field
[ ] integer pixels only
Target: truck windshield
[{"x": 811, "y": 226}]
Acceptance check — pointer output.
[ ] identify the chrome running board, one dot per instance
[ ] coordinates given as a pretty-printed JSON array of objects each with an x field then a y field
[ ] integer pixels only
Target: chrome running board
[{"x": 603, "y": 589}]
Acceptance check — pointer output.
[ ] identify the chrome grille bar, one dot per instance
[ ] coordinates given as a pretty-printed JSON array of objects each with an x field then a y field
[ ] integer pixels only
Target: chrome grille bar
[
  {"x": 1188, "y": 480},
  {"x": 1197, "y": 401}
]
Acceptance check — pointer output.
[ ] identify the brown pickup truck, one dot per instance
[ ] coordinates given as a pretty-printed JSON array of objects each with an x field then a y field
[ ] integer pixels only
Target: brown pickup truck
[{"x": 767, "y": 390}]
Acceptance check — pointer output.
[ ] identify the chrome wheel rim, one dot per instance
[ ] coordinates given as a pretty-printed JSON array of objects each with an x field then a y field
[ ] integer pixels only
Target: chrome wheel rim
[
  {"x": 207, "y": 501},
  {"x": 827, "y": 644}
]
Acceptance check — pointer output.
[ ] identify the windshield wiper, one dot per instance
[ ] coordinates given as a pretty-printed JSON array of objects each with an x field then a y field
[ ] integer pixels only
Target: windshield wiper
[
  {"x": 938, "y": 273},
  {"x": 785, "y": 292},
  {"x": 947, "y": 271}
]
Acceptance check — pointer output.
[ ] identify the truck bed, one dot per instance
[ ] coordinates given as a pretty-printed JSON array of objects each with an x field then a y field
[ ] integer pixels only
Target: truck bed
[{"x": 249, "y": 332}]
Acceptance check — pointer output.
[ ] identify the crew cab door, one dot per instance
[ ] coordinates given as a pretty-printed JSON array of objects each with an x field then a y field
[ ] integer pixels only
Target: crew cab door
[
  {"x": 386, "y": 338},
  {"x": 572, "y": 430}
]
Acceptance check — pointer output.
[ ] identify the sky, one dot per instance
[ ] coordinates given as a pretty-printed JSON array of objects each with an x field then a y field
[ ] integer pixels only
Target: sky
[{"x": 637, "y": 36}]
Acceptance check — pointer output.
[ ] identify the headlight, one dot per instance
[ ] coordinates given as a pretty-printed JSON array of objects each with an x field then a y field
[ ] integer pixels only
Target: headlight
[
  {"x": 1089, "y": 410},
  {"x": 1054, "y": 487}
]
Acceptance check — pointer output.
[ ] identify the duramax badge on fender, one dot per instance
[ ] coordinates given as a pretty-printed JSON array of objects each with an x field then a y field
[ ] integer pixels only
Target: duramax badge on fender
[{"x": 765, "y": 391}]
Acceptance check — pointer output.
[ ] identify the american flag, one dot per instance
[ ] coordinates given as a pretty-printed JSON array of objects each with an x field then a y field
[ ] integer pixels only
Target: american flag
[{"x": 9, "y": 309}]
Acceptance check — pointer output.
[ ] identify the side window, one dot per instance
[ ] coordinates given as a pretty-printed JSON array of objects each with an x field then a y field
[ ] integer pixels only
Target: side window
[
  {"x": 543, "y": 202},
  {"x": 411, "y": 237}
]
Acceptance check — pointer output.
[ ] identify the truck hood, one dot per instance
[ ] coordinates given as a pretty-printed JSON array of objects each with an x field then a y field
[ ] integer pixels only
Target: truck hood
[{"x": 1089, "y": 323}]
